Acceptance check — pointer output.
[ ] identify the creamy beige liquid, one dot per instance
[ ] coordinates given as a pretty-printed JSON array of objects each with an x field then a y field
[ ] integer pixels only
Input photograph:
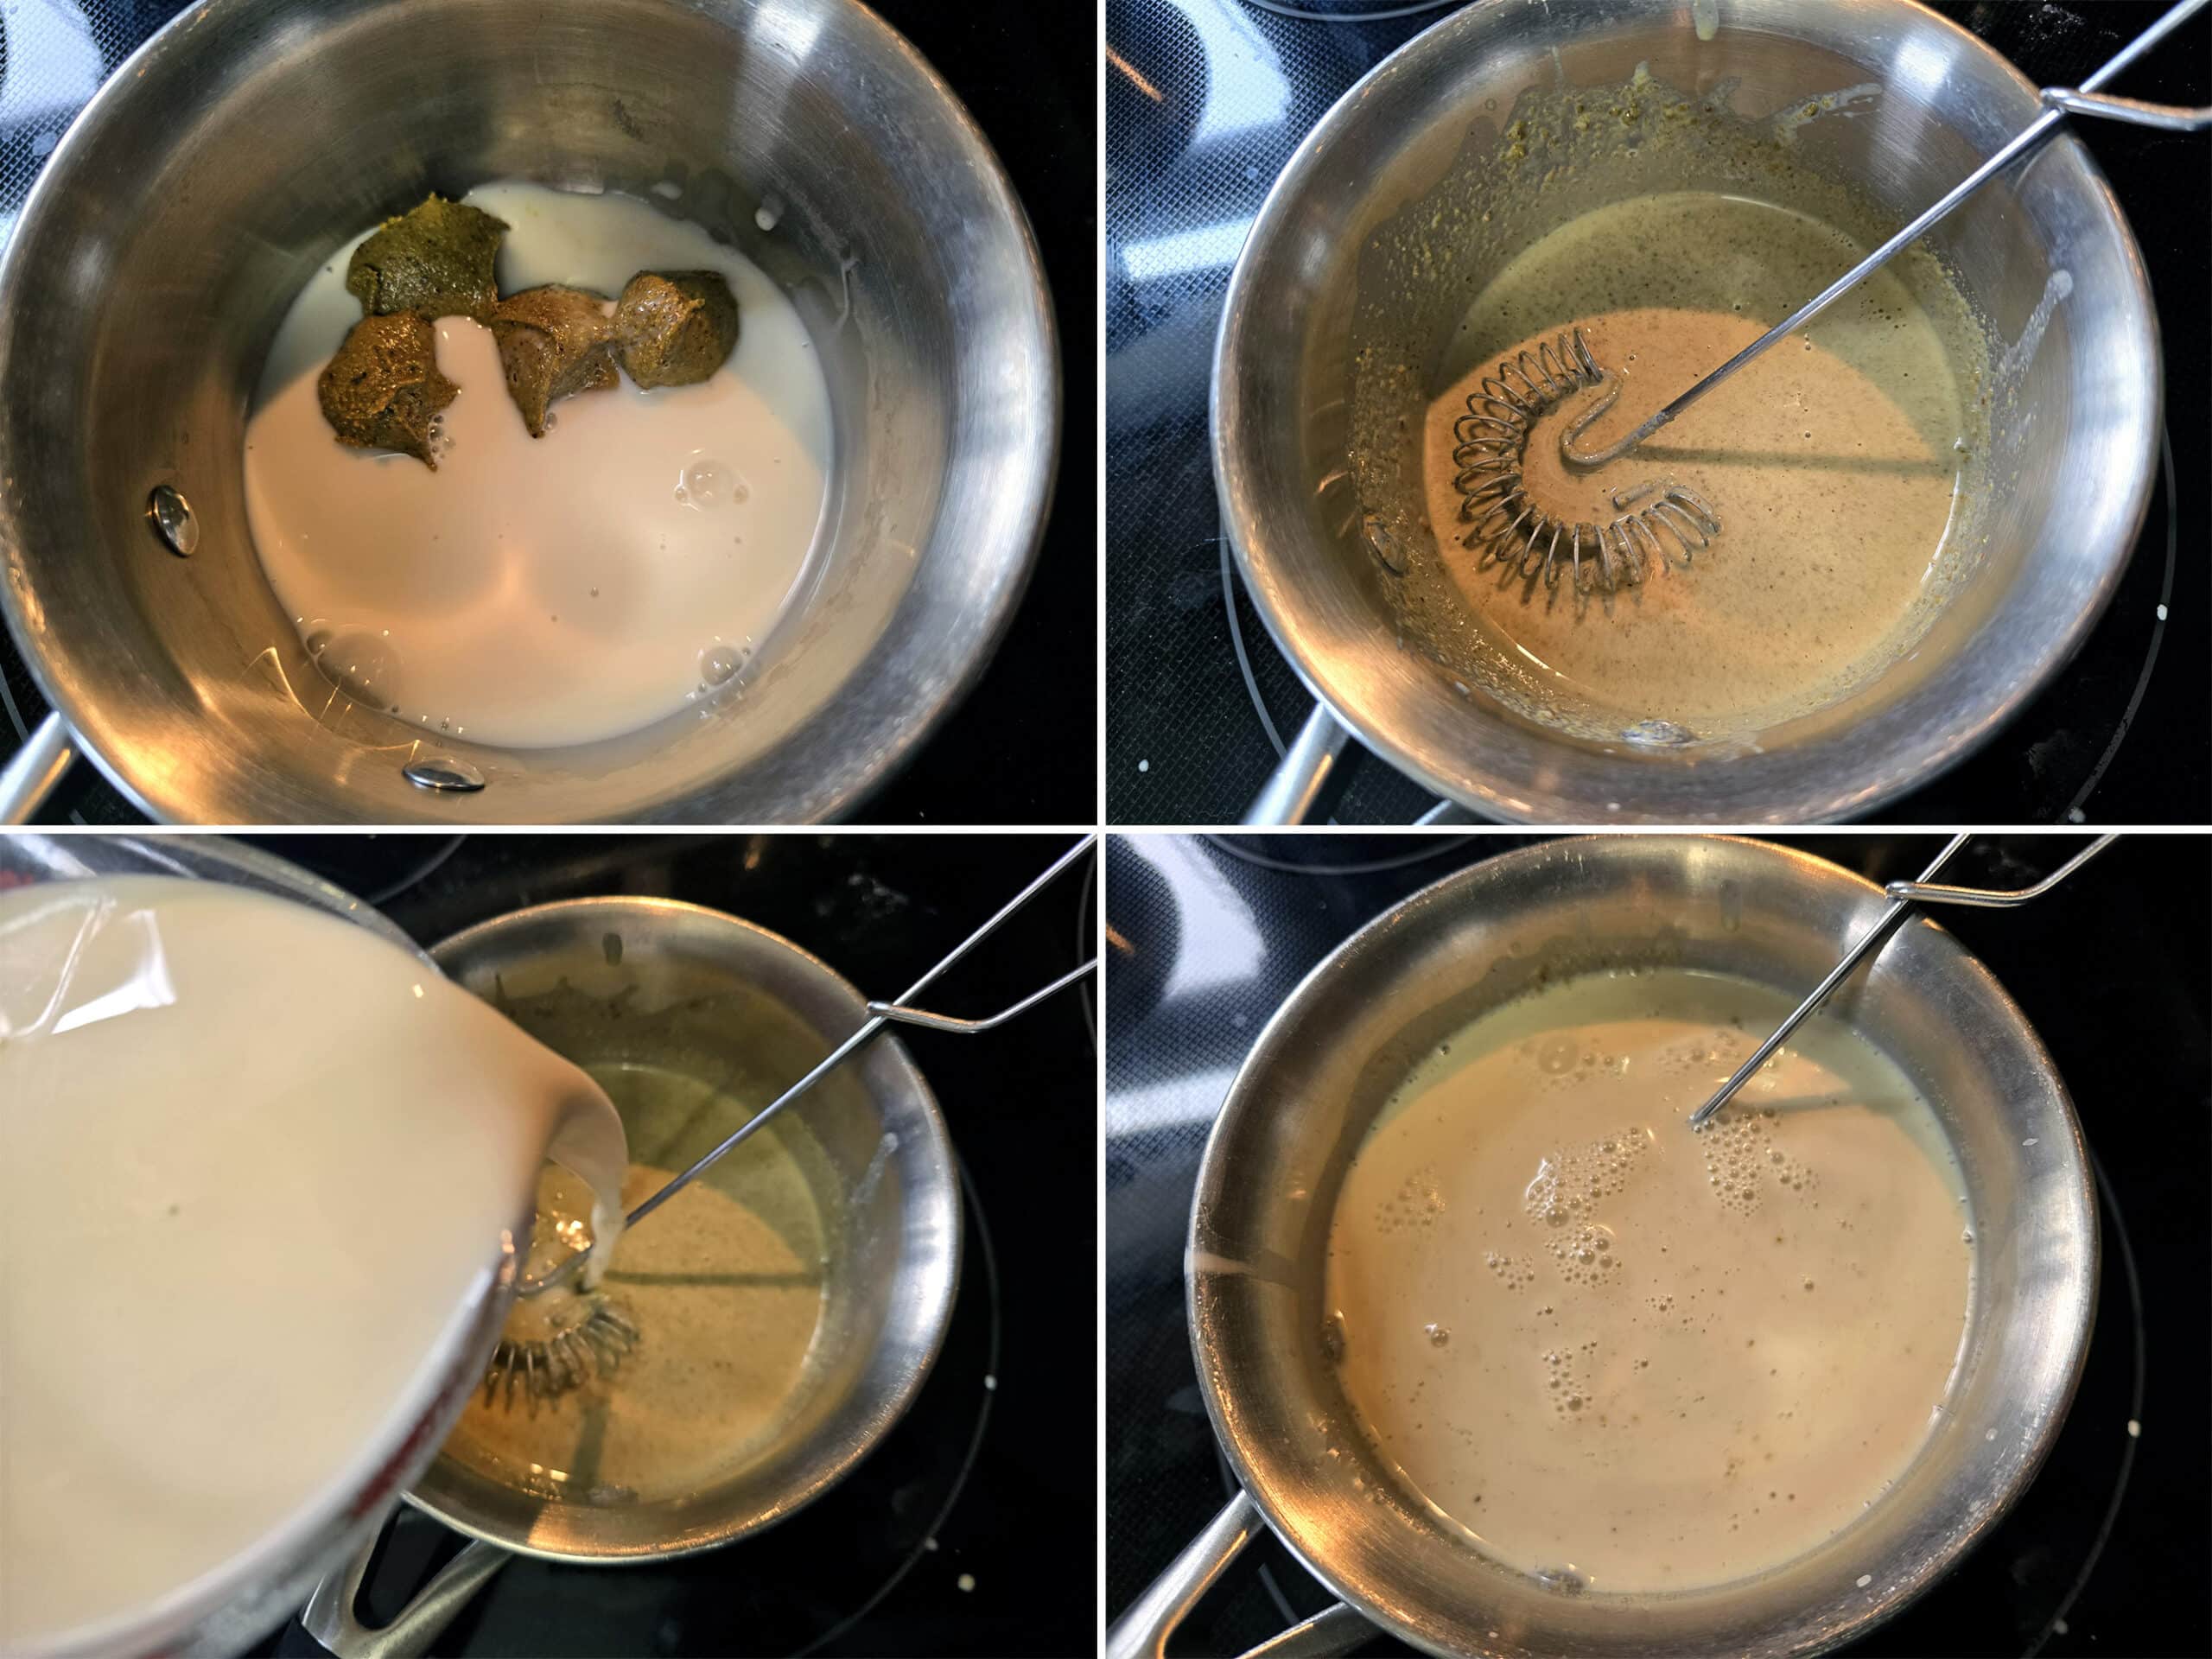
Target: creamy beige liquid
[
  {"x": 543, "y": 591},
  {"x": 725, "y": 1284},
  {"x": 1833, "y": 462},
  {"x": 261, "y": 1161},
  {"x": 1606, "y": 1345}
]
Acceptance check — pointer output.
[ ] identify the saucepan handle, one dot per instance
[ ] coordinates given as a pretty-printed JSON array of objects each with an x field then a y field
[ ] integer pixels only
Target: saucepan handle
[
  {"x": 34, "y": 769},
  {"x": 331, "y": 1620},
  {"x": 1291, "y": 790},
  {"x": 1147, "y": 1624}
]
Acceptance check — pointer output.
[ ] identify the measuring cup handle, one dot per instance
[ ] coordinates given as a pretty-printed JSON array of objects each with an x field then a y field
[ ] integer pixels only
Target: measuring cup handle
[
  {"x": 1296, "y": 783},
  {"x": 331, "y": 1620},
  {"x": 1147, "y": 1624},
  {"x": 34, "y": 769}
]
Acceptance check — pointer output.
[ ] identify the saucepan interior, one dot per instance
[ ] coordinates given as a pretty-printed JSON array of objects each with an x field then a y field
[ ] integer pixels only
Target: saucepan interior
[
  {"x": 243, "y": 144},
  {"x": 1327, "y": 1063},
  {"x": 1406, "y": 200},
  {"x": 739, "y": 1014}
]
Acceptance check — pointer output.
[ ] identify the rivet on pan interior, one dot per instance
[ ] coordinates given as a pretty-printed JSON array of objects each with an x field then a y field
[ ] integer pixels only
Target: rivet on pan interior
[
  {"x": 443, "y": 773},
  {"x": 171, "y": 517}
]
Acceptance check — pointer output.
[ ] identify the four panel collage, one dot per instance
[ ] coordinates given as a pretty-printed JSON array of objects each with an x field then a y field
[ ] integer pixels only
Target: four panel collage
[{"x": 1141, "y": 828}]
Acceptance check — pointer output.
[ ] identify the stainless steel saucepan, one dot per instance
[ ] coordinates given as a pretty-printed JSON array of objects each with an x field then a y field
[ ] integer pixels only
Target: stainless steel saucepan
[
  {"x": 2043, "y": 252},
  {"x": 222, "y": 165},
  {"x": 1349, "y": 1033},
  {"x": 616, "y": 983}
]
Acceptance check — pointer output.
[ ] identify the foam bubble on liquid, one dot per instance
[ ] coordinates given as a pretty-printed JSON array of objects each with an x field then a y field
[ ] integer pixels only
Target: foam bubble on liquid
[
  {"x": 705, "y": 484},
  {"x": 1416, "y": 1204},
  {"x": 1566, "y": 1381},
  {"x": 1514, "y": 1272},
  {"x": 1740, "y": 1160},
  {"x": 719, "y": 664},
  {"x": 1570, "y": 1182}
]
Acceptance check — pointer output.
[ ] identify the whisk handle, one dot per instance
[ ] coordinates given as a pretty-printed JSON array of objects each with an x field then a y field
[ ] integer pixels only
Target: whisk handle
[
  {"x": 960, "y": 1028},
  {"x": 1927, "y": 893},
  {"x": 2056, "y": 104},
  {"x": 1867, "y": 943},
  {"x": 2173, "y": 117},
  {"x": 2173, "y": 18},
  {"x": 2027, "y": 139},
  {"x": 1903, "y": 895},
  {"x": 875, "y": 1023}
]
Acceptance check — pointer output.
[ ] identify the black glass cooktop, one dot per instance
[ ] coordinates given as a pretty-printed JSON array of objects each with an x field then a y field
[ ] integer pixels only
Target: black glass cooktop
[
  {"x": 971, "y": 1528},
  {"x": 1021, "y": 747},
  {"x": 1205, "y": 99},
  {"x": 2103, "y": 1554}
]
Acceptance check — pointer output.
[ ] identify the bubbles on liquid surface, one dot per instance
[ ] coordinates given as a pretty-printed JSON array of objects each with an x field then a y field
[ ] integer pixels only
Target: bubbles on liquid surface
[
  {"x": 1417, "y": 1203},
  {"x": 720, "y": 663},
  {"x": 1567, "y": 1382},
  {"x": 1585, "y": 1257},
  {"x": 706, "y": 485},
  {"x": 1514, "y": 1272},
  {"x": 1571, "y": 1181},
  {"x": 1740, "y": 1158}
]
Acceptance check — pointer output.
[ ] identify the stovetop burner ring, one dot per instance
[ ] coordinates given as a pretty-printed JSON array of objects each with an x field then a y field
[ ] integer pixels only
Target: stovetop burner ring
[
  {"x": 980, "y": 1240},
  {"x": 1355, "y": 11},
  {"x": 2118, "y": 1231},
  {"x": 1239, "y": 847},
  {"x": 2073, "y": 807}
]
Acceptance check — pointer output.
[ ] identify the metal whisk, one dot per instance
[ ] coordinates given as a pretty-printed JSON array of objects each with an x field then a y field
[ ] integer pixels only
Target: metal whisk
[
  {"x": 1903, "y": 896},
  {"x": 1511, "y": 529},
  {"x": 554, "y": 1344},
  {"x": 2058, "y": 103},
  {"x": 548, "y": 1348}
]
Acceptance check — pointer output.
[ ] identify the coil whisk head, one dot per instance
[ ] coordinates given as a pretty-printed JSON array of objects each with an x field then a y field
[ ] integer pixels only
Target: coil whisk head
[
  {"x": 1509, "y": 528},
  {"x": 549, "y": 1349}
]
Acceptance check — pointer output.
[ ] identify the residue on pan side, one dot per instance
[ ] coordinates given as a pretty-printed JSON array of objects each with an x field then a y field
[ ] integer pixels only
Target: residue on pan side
[{"x": 1591, "y": 207}]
